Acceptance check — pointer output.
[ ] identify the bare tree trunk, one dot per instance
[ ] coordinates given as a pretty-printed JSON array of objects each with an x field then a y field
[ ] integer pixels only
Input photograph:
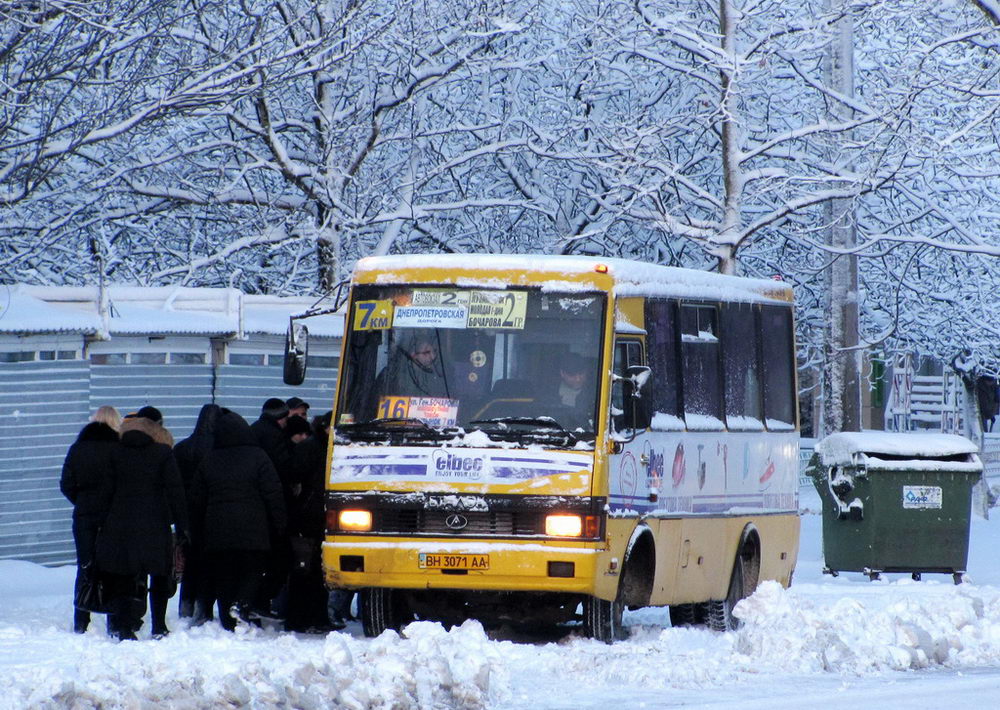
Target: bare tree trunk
[
  {"x": 328, "y": 252},
  {"x": 842, "y": 386},
  {"x": 732, "y": 176}
]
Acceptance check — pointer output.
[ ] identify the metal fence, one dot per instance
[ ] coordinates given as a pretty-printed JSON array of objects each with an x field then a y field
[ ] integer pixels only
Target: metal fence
[{"x": 43, "y": 406}]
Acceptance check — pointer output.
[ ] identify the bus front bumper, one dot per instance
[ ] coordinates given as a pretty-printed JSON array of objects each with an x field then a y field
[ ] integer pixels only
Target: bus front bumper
[{"x": 555, "y": 566}]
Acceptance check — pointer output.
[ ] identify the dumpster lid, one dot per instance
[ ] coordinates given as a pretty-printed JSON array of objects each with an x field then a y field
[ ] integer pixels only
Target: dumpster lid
[{"x": 840, "y": 448}]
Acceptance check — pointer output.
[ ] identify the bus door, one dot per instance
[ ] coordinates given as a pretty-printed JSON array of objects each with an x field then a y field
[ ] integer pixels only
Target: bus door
[{"x": 629, "y": 487}]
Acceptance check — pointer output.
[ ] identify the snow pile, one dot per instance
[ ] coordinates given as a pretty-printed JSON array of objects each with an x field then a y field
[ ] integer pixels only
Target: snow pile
[
  {"x": 836, "y": 641},
  {"x": 919, "y": 626},
  {"x": 652, "y": 658},
  {"x": 426, "y": 667}
]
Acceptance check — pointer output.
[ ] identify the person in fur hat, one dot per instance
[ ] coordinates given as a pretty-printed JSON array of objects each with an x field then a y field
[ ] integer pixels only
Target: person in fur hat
[{"x": 142, "y": 500}]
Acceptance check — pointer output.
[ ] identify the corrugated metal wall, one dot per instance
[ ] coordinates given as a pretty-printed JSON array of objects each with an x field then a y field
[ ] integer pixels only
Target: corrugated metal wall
[
  {"x": 244, "y": 388},
  {"x": 42, "y": 407},
  {"x": 178, "y": 391}
]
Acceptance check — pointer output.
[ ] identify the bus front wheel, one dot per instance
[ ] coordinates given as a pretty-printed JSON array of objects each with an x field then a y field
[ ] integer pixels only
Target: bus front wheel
[
  {"x": 602, "y": 620},
  {"x": 381, "y": 609}
]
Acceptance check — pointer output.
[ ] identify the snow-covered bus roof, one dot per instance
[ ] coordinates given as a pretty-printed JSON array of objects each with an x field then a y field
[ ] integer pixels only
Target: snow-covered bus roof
[
  {"x": 164, "y": 310},
  {"x": 629, "y": 278}
]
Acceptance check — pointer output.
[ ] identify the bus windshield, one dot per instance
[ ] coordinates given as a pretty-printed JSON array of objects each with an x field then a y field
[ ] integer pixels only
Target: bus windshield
[{"x": 429, "y": 364}]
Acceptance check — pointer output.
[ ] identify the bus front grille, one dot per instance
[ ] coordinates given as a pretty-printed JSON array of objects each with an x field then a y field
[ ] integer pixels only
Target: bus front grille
[{"x": 474, "y": 523}]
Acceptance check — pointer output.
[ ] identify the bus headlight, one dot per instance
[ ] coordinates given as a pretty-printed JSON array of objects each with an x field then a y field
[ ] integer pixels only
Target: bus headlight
[
  {"x": 563, "y": 525},
  {"x": 355, "y": 520}
]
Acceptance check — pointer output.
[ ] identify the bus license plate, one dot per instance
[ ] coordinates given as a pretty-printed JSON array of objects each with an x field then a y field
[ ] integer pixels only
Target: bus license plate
[{"x": 433, "y": 560}]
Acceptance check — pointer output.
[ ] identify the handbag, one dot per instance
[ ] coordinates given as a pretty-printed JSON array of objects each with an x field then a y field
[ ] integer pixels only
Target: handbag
[
  {"x": 180, "y": 560},
  {"x": 304, "y": 554},
  {"x": 91, "y": 595}
]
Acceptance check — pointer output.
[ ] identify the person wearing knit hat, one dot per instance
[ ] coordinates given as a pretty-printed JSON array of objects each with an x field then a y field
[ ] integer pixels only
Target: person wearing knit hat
[
  {"x": 276, "y": 409},
  {"x": 151, "y": 413},
  {"x": 297, "y": 429},
  {"x": 297, "y": 407}
]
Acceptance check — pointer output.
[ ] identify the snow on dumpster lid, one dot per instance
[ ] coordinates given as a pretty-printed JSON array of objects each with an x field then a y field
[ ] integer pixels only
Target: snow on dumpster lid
[{"x": 838, "y": 449}]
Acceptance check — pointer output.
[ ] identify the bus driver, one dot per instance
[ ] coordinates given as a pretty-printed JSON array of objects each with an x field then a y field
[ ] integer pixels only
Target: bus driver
[{"x": 419, "y": 371}]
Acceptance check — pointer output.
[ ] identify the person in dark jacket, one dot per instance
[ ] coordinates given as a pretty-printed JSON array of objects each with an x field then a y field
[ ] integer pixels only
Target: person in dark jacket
[
  {"x": 142, "y": 501},
  {"x": 240, "y": 507},
  {"x": 84, "y": 473},
  {"x": 269, "y": 430},
  {"x": 986, "y": 397},
  {"x": 271, "y": 434},
  {"x": 160, "y": 589},
  {"x": 307, "y": 595},
  {"x": 189, "y": 454}
]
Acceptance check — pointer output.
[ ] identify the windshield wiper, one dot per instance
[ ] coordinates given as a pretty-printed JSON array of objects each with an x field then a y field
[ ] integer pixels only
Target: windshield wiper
[
  {"x": 545, "y": 427},
  {"x": 393, "y": 428}
]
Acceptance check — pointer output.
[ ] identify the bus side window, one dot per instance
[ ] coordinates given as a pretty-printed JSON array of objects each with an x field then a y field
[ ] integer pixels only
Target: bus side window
[
  {"x": 664, "y": 360},
  {"x": 779, "y": 363},
  {"x": 741, "y": 362},
  {"x": 701, "y": 366}
]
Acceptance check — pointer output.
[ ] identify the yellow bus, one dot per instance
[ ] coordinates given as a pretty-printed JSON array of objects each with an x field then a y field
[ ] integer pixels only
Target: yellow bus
[{"x": 538, "y": 440}]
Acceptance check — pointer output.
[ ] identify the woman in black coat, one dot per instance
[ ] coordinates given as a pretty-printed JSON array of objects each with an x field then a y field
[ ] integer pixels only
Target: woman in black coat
[
  {"x": 239, "y": 504},
  {"x": 144, "y": 497},
  {"x": 84, "y": 473}
]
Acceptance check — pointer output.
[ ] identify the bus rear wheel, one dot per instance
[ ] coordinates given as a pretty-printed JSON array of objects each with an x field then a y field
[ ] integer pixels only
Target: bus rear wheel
[
  {"x": 741, "y": 585},
  {"x": 382, "y": 609},
  {"x": 687, "y": 614}
]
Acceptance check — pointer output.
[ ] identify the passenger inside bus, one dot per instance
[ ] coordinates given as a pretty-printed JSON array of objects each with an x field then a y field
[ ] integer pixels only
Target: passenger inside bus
[{"x": 572, "y": 376}]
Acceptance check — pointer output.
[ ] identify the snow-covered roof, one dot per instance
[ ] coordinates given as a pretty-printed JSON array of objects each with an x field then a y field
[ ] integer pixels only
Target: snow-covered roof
[
  {"x": 269, "y": 314},
  {"x": 632, "y": 278},
  {"x": 23, "y": 313},
  {"x": 839, "y": 449},
  {"x": 159, "y": 310}
]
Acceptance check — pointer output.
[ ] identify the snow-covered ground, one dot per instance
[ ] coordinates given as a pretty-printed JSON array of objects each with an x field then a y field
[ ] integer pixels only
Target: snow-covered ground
[{"x": 832, "y": 642}]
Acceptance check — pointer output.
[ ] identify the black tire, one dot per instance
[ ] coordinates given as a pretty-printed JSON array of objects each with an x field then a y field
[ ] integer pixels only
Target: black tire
[
  {"x": 602, "y": 620},
  {"x": 688, "y": 614},
  {"x": 381, "y": 609},
  {"x": 720, "y": 613}
]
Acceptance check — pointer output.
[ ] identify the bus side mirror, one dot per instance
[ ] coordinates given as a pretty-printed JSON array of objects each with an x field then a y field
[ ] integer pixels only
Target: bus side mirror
[
  {"x": 637, "y": 396},
  {"x": 296, "y": 351},
  {"x": 638, "y": 375},
  {"x": 636, "y": 412}
]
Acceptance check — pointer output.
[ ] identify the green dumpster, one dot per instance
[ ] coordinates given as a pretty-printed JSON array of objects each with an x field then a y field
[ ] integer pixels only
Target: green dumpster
[{"x": 895, "y": 502}]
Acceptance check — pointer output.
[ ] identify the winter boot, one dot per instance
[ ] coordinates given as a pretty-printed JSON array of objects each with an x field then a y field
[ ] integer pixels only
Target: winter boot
[{"x": 81, "y": 620}]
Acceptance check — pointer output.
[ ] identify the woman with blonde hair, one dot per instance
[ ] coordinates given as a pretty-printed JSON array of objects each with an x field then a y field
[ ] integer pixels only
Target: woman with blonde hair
[
  {"x": 108, "y": 415},
  {"x": 85, "y": 472}
]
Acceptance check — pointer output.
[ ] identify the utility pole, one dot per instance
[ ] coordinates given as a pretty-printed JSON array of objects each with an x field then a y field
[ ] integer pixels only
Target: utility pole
[{"x": 842, "y": 380}]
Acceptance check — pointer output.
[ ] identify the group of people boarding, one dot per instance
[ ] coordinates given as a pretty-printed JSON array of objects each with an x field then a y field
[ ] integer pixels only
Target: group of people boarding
[{"x": 234, "y": 514}]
